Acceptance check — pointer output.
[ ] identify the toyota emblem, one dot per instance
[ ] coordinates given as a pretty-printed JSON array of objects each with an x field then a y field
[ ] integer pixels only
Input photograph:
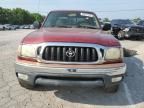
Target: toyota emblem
[{"x": 70, "y": 53}]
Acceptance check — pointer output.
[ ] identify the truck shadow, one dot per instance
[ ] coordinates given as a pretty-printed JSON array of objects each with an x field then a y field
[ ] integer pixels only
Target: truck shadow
[{"x": 96, "y": 96}]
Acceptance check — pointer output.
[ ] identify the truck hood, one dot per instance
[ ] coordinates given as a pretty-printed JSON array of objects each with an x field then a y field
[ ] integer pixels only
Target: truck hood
[{"x": 72, "y": 35}]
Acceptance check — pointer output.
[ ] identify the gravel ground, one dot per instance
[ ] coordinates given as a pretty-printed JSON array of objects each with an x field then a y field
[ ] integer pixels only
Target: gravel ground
[{"x": 12, "y": 95}]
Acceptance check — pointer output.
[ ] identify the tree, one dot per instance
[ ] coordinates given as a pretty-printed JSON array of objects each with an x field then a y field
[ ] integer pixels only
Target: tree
[
  {"x": 136, "y": 20},
  {"x": 37, "y": 17},
  {"x": 4, "y": 15},
  {"x": 18, "y": 16},
  {"x": 106, "y": 20}
]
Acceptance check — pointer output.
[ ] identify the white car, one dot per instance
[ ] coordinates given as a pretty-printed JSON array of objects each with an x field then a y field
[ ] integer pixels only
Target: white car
[
  {"x": 9, "y": 27},
  {"x": 31, "y": 27},
  {"x": 2, "y": 27}
]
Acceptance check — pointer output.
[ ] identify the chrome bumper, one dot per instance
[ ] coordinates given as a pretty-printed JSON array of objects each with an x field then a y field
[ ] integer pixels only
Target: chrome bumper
[
  {"x": 43, "y": 74},
  {"x": 110, "y": 71}
]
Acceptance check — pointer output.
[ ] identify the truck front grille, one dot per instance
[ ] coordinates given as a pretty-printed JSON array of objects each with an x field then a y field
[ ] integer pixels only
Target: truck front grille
[{"x": 70, "y": 54}]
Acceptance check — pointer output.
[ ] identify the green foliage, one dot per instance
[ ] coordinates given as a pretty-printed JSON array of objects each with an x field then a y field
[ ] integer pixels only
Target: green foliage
[
  {"x": 18, "y": 16},
  {"x": 136, "y": 20},
  {"x": 106, "y": 20},
  {"x": 37, "y": 17}
]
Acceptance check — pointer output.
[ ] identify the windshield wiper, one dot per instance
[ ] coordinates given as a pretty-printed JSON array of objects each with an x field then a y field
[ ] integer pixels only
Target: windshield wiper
[
  {"x": 63, "y": 26},
  {"x": 88, "y": 26}
]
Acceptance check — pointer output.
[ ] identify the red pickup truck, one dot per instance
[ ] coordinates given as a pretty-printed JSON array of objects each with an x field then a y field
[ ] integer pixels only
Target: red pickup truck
[{"x": 70, "y": 49}]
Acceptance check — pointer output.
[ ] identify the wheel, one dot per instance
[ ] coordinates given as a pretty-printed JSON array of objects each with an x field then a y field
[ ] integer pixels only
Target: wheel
[
  {"x": 3, "y": 28},
  {"x": 112, "y": 89},
  {"x": 25, "y": 85},
  {"x": 120, "y": 35}
]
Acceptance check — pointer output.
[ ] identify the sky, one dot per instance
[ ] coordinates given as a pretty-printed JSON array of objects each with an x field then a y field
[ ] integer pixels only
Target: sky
[{"x": 111, "y": 9}]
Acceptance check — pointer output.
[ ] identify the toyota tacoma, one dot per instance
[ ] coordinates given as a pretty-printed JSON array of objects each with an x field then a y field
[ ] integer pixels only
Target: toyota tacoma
[{"x": 70, "y": 49}]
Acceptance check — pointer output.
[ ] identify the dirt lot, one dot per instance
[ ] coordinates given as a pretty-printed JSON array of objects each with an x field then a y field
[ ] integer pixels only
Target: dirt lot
[{"x": 130, "y": 95}]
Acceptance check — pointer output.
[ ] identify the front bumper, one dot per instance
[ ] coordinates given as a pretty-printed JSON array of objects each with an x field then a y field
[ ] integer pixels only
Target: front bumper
[
  {"x": 69, "y": 75},
  {"x": 134, "y": 35}
]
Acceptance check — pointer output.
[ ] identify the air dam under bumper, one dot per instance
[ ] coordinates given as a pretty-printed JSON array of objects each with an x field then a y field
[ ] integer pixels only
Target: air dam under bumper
[{"x": 70, "y": 75}]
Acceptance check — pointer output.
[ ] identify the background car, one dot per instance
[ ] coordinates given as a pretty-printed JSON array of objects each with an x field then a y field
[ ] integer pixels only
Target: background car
[
  {"x": 31, "y": 26},
  {"x": 27, "y": 27},
  {"x": 141, "y": 23},
  {"x": 21, "y": 27},
  {"x": 16, "y": 26},
  {"x": 124, "y": 28},
  {"x": 9, "y": 27},
  {"x": 2, "y": 27}
]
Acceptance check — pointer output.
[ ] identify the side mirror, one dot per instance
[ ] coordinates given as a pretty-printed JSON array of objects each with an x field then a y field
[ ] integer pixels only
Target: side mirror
[
  {"x": 106, "y": 27},
  {"x": 37, "y": 24}
]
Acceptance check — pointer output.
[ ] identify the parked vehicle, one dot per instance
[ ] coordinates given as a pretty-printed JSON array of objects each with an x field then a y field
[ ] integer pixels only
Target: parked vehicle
[
  {"x": 31, "y": 26},
  {"x": 16, "y": 26},
  {"x": 2, "y": 27},
  {"x": 21, "y": 26},
  {"x": 141, "y": 23},
  {"x": 13, "y": 27},
  {"x": 122, "y": 28},
  {"x": 27, "y": 27},
  {"x": 9, "y": 27},
  {"x": 70, "y": 49}
]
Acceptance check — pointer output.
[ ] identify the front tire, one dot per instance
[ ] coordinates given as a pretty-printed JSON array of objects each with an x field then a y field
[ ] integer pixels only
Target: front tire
[
  {"x": 3, "y": 28},
  {"x": 120, "y": 35},
  {"x": 112, "y": 88}
]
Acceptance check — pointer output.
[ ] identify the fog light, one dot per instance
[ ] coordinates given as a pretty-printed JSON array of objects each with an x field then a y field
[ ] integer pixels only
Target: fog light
[
  {"x": 126, "y": 35},
  {"x": 22, "y": 76},
  {"x": 116, "y": 79}
]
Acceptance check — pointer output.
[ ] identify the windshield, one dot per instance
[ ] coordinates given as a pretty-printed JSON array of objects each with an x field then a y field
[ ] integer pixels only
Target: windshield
[
  {"x": 121, "y": 22},
  {"x": 71, "y": 20},
  {"x": 141, "y": 23}
]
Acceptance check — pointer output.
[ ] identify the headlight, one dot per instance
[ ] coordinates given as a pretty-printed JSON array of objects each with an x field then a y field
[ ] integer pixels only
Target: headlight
[
  {"x": 27, "y": 50},
  {"x": 126, "y": 29},
  {"x": 113, "y": 53}
]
